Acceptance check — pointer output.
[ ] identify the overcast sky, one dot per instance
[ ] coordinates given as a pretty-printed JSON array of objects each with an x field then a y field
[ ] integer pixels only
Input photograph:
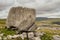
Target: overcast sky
[{"x": 44, "y": 8}]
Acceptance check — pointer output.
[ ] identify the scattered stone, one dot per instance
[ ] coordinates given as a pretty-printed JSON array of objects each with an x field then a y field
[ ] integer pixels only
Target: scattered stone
[
  {"x": 5, "y": 38},
  {"x": 24, "y": 34},
  {"x": 0, "y": 38},
  {"x": 56, "y": 37},
  {"x": 31, "y": 34},
  {"x": 36, "y": 38},
  {"x": 1, "y": 34}
]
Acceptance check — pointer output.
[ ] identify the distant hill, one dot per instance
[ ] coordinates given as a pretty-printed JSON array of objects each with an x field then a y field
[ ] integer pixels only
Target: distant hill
[
  {"x": 2, "y": 19},
  {"x": 41, "y": 18}
]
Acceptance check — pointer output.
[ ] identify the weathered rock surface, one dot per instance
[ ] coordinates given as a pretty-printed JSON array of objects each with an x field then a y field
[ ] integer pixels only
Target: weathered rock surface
[{"x": 21, "y": 18}]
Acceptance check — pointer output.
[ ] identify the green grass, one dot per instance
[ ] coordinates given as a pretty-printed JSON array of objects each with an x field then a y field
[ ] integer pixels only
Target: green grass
[
  {"x": 47, "y": 36},
  {"x": 38, "y": 23},
  {"x": 2, "y": 21},
  {"x": 4, "y": 30},
  {"x": 7, "y": 32},
  {"x": 49, "y": 22}
]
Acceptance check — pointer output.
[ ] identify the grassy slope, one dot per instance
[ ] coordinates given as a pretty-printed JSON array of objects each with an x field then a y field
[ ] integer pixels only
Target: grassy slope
[
  {"x": 38, "y": 23},
  {"x": 2, "y": 22},
  {"x": 48, "y": 23},
  {"x": 3, "y": 30}
]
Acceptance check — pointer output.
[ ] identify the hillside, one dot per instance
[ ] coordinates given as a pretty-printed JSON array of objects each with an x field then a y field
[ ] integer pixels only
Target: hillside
[
  {"x": 49, "y": 26},
  {"x": 41, "y": 18},
  {"x": 53, "y": 22}
]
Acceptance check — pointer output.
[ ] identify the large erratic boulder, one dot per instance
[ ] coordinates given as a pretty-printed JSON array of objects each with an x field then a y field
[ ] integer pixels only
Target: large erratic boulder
[{"x": 21, "y": 18}]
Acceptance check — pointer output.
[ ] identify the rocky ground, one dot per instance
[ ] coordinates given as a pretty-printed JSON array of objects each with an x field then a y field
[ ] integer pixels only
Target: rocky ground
[
  {"x": 45, "y": 31},
  {"x": 39, "y": 35}
]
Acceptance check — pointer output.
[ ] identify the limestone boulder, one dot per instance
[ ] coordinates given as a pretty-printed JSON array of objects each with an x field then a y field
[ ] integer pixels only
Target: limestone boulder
[{"x": 21, "y": 18}]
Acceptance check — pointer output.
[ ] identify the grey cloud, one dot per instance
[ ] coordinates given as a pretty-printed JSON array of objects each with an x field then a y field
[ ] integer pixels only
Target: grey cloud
[
  {"x": 5, "y": 4},
  {"x": 44, "y": 8},
  {"x": 50, "y": 6},
  {"x": 3, "y": 14},
  {"x": 23, "y": 2},
  {"x": 42, "y": 5}
]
